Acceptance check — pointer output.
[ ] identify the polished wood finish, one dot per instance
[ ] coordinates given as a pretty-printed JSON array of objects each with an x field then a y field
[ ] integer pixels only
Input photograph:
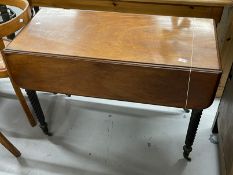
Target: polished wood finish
[
  {"x": 160, "y": 60},
  {"x": 141, "y": 39},
  {"x": 186, "y": 8},
  {"x": 10, "y": 27},
  {"x": 9, "y": 146},
  {"x": 144, "y": 53},
  {"x": 225, "y": 127},
  {"x": 112, "y": 80}
]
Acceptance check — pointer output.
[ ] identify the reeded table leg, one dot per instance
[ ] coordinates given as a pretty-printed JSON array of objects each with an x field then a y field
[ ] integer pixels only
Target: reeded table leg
[
  {"x": 191, "y": 133},
  {"x": 38, "y": 110}
]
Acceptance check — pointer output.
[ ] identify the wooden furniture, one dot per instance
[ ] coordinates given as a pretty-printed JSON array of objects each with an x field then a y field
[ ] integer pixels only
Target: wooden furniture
[
  {"x": 6, "y": 29},
  {"x": 186, "y": 8},
  {"x": 9, "y": 146},
  {"x": 7, "y": 14},
  {"x": 225, "y": 127},
  {"x": 225, "y": 40},
  {"x": 160, "y": 60}
]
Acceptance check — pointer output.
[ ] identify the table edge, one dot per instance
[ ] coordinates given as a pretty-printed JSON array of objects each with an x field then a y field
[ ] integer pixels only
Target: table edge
[{"x": 149, "y": 65}]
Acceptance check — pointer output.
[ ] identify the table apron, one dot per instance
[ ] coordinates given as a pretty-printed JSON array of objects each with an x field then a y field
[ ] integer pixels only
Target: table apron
[{"x": 126, "y": 82}]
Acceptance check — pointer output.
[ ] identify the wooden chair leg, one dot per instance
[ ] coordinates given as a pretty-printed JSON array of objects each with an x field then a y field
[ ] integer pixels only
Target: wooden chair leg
[
  {"x": 23, "y": 102},
  {"x": 8, "y": 145}
]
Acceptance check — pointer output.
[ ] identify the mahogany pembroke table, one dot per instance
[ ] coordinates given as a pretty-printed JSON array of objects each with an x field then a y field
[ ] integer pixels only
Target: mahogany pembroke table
[{"x": 162, "y": 60}]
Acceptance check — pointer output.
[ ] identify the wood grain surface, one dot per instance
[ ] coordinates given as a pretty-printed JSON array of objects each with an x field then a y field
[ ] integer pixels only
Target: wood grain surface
[
  {"x": 205, "y": 9},
  {"x": 189, "y": 2},
  {"x": 139, "y": 58},
  {"x": 9, "y": 146},
  {"x": 10, "y": 27},
  {"x": 19, "y": 21},
  {"x": 225, "y": 127},
  {"x": 149, "y": 39},
  {"x": 112, "y": 80},
  {"x": 3, "y": 70},
  {"x": 61, "y": 3},
  {"x": 225, "y": 38},
  {"x": 185, "y": 8}
]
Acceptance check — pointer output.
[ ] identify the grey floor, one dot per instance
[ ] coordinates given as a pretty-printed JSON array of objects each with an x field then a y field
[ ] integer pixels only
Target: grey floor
[{"x": 103, "y": 137}]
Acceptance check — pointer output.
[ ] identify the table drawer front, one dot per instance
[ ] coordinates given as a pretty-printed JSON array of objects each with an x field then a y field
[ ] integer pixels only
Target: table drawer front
[{"x": 162, "y": 86}]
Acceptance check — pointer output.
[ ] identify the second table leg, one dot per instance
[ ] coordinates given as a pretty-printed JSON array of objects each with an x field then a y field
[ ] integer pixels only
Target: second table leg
[
  {"x": 38, "y": 110},
  {"x": 191, "y": 133}
]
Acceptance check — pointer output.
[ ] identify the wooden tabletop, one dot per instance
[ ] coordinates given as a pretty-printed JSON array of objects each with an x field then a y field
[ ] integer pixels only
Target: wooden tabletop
[{"x": 142, "y": 39}]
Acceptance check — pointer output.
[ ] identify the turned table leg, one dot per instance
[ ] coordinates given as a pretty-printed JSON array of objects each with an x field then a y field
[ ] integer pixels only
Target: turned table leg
[
  {"x": 38, "y": 110},
  {"x": 191, "y": 133}
]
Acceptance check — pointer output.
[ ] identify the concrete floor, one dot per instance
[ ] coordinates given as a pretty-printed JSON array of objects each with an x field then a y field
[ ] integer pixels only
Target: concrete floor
[{"x": 103, "y": 137}]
